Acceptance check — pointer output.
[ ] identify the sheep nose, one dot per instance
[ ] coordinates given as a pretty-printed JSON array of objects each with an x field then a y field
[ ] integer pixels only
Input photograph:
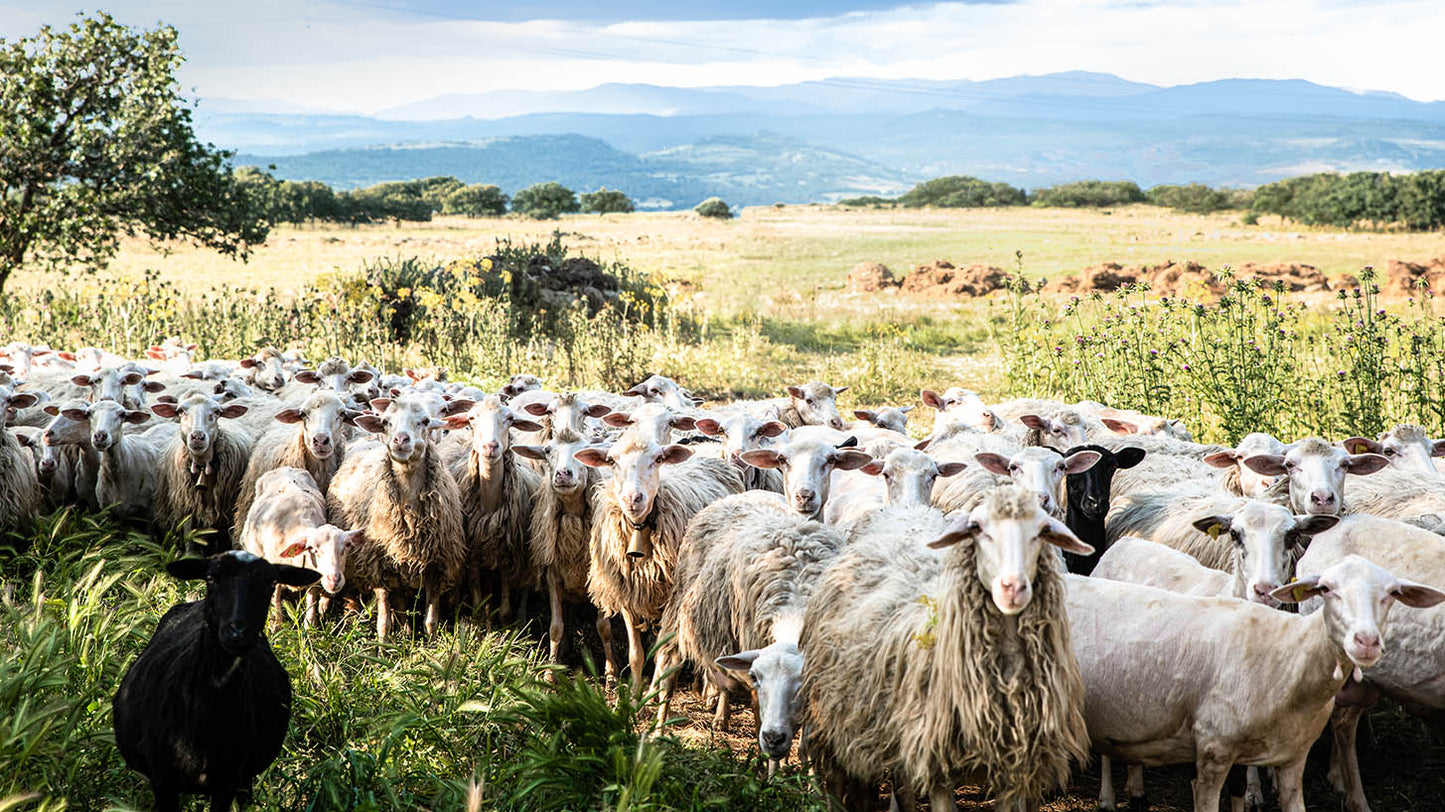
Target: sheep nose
[
  {"x": 1013, "y": 588},
  {"x": 198, "y": 436},
  {"x": 773, "y": 740},
  {"x": 100, "y": 438},
  {"x": 836, "y": 422},
  {"x": 401, "y": 439},
  {"x": 323, "y": 440},
  {"x": 562, "y": 478},
  {"x": 804, "y": 495},
  {"x": 1325, "y": 499},
  {"x": 491, "y": 449},
  {"x": 1367, "y": 641},
  {"x": 1262, "y": 590}
]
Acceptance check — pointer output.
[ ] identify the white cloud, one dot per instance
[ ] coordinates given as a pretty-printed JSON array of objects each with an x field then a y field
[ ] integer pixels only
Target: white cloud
[{"x": 323, "y": 55}]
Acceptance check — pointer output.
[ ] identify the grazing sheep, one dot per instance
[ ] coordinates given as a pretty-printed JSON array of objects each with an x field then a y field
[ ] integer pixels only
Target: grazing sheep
[
  {"x": 406, "y": 503},
  {"x": 935, "y": 666},
  {"x": 746, "y": 432},
  {"x": 1314, "y": 471},
  {"x": 562, "y": 528},
  {"x": 205, "y": 707},
  {"x": 201, "y": 466},
  {"x": 286, "y": 524},
  {"x": 309, "y": 437},
  {"x": 1227, "y": 707},
  {"x": 745, "y": 571},
  {"x": 638, "y": 521},
  {"x": 497, "y": 492},
  {"x": 20, "y": 495},
  {"x": 1088, "y": 499}
]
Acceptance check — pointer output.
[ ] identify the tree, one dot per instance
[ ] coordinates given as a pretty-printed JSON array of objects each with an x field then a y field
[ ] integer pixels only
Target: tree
[
  {"x": 960, "y": 192},
  {"x": 714, "y": 207},
  {"x": 606, "y": 201},
  {"x": 544, "y": 201},
  {"x": 476, "y": 200},
  {"x": 96, "y": 142},
  {"x": 1089, "y": 194}
]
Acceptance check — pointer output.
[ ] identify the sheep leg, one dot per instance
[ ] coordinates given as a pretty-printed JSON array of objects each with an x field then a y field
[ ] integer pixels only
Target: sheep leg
[
  {"x": 1344, "y": 760},
  {"x": 313, "y": 598},
  {"x": 1290, "y": 786},
  {"x": 556, "y": 627},
  {"x": 475, "y": 581},
  {"x": 941, "y": 798},
  {"x": 1134, "y": 785},
  {"x": 1209, "y": 775},
  {"x": 277, "y": 606},
  {"x": 723, "y": 711},
  {"x": 1106, "y": 784},
  {"x": 1236, "y": 783},
  {"x": 636, "y": 654},
  {"x": 604, "y": 630},
  {"x": 506, "y": 608},
  {"x": 383, "y": 614},
  {"x": 433, "y": 609},
  {"x": 1253, "y": 790}
]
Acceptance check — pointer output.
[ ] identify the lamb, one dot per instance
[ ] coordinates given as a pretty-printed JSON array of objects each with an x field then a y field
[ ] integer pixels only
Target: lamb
[
  {"x": 201, "y": 466},
  {"x": 807, "y": 465},
  {"x": 935, "y": 666},
  {"x": 130, "y": 460},
  {"x": 286, "y": 524},
  {"x": 407, "y": 505},
  {"x": 206, "y": 705},
  {"x": 1225, "y": 709},
  {"x": 746, "y": 432},
  {"x": 892, "y": 419},
  {"x": 1314, "y": 473},
  {"x": 562, "y": 527},
  {"x": 1409, "y": 671},
  {"x": 902, "y": 477},
  {"x": 1087, "y": 497},
  {"x": 20, "y": 495},
  {"x": 638, "y": 522},
  {"x": 497, "y": 492},
  {"x": 310, "y": 437},
  {"x": 745, "y": 571}
]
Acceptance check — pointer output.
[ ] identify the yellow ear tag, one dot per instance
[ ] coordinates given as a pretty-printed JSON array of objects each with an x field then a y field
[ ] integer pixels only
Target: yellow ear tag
[
  {"x": 1214, "y": 531},
  {"x": 1299, "y": 593}
]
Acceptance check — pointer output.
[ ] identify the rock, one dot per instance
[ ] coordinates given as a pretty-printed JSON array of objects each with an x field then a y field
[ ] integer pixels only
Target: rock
[{"x": 870, "y": 277}]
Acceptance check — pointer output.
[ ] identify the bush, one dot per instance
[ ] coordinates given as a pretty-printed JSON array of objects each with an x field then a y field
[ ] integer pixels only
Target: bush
[
  {"x": 1193, "y": 197},
  {"x": 545, "y": 201},
  {"x": 1376, "y": 199},
  {"x": 1089, "y": 194},
  {"x": 962, "y": 192},
  {"x": 477, "y": 200},
  {"x": 868, "y": 201},
  {"x": 606, "y": 201},
  {"x": 714, "y": 207}
]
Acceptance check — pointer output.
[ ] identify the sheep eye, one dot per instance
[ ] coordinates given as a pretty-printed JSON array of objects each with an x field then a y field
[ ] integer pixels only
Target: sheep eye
[
  {"x": 1324, "y": 590},
  {"x": 1389, "y": 452}
]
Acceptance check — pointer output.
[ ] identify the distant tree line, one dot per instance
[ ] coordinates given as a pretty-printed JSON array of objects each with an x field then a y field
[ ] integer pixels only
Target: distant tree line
[
  {"x": 309, "y": 201},
  {"x": 1414, "y": 200}
]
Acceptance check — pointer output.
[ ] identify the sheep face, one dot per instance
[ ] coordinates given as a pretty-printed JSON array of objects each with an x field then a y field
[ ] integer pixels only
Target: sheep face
[
  {"x": 1064, "y": 430},
  {"x": 1407, "y": 447},
  {"x": 1251, "y": 483},
  {"x": 107, "y": 420},
  {"x": 776, "y": 673},
  {"x": 175, "y": 358},
  {"x": 567, "y": 412},
  {"x": 1088, "y": 491},
  {"x": 817, "y": 404},
  {"x": 239, "y": 587},
  {"x": 569, "y": 475},
  {"x": 21, "y": 357},
  {"x": 1316, "y": 472},
  {"x": 807, "y": 467},
  {"x": 657, "y": 389},
  {"x": 324, "y": 549},
  {"x": 742, "y": 432},
  {"x": 268, "y": 371},
  {"x": 11, "y": 401},
  {"x": 1010, "y": 530},
  {"x": 1267, "y": 540},
  {"x": 321, "y": 418},
  {"x": 109, "y": 383},
  {"x": 1040, "y": 470},
  {"x": 207, "y": 372},
  {"x": 890, "y": 418},
  {"x": 492, "y": 425},
  {"x": 636, "y": 465},
  {"x": 229, "y": 389},
  {"x": 200, "y": 417},
  {"x": 519, "y": 384},
  {"x": 964, "y": 407},
  {"x": 62, "y": 430},
  {"x": 1357, "y": 596},
  {"x": 655, "y": 421},
  {"x": 406, "y": 424},
  {"x": 909, "y": 475}
]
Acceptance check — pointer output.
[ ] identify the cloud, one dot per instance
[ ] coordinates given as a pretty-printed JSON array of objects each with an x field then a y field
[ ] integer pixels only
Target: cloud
[{"x": 371, "y": 56}]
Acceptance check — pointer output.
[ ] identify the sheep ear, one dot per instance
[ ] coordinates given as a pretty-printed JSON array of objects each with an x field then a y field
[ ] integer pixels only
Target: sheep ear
[
  {"x": 294, "y": 549},
  {"x": 1417, "y": 595},
  {"x": 964, "y": 529},
  {"x": 164, "y": 409},
  {"x": 457, "y": 406},
  {"x": 1362, "y": 445},
  {"x": 594, "y": 457},
  {"x": 526, "y": 425},
  {"x": 772, "y": 428},
  {"x": 1058, "y": 534},
  {"x": 683, "y": 423},
  {"x": 23, "y": 400},
  {"x": 1214, "y": 526},
  {"x": 51, "y": 410},
  {"x": 359, "y": 376},
  {"x": 354, "y": 537},
  {"x": 192, "y": 374},
  {"x": 851, "y": 442},
  {"x": 598, "y": 410},
  {"x": 637, "y": 391},
  {"x": 1222, "y": 459},
  {"x": 873, "y": 468},
  {"x": 78, "y": 415},
  {"x": 1306, "y": 527},
  {"x": 1033, "y": 421},
  {"x": 1267, "y": 464},
  {"x": 865, "y": 414},
  {"x": 1129, "y": 456},
  {"x": 948, "y": 469},
  {"x": 232, "y": 410},
  {"x": 436, "y": 423},
  {"x": 27, "y": 441},
  {"x": 531, "y": 452},
  {"x": 247, "y": 363},
  {"x": 922, "y": 445},
  {"x": 850, "y": 460},
  {"x": 82, "y": 380},
  {"x": 289, "y": 416},
  {"x": 458, "y": 421},
  {"x": 1299, "y": 591},
  {"x": 762, "y": 458},
  {"x": 156, "y": 352},
  {"x": 993, "y": 463},
  {"x": 1437, "y": 448},
  {"x": 380, "y": 404},
  {"x": 1361, "y": 464},
  {"x": 155, "y": 386},
  {"x": 137, "y": 416},
  {"x": 931, "y": 399},
  {"x": 189, "y": 569},
  {"x": 371, "y": 423},
  {"x": 296, "y": 576},
  {"x": 674, "y": 454},
  {"x": 1081, "y": 461},
  {"x": 838, "y": 390},
  {"x": 536, "y": 409},
  {"x": 618, "y": 420},
  {"x": 710, "y": 427},
  {"x": 306, "y": 376},
  {"x": 132, "y": 378},
  {"x": 741, "y": 661},
  {"x": 350, "y": 415},
  {"x": 1120, "y": 426},
  {"x": 795, "y": 392}
]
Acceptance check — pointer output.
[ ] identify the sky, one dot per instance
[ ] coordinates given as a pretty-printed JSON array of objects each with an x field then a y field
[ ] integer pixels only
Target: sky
[{"x": 364, "y": 57}]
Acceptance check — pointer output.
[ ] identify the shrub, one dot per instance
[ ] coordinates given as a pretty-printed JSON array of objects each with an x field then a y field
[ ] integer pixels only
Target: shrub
[
  {"x": 1089, "y": 194},
  {"x": 868, "y": 201},
  {"x": 606, "y": 201},
  {"x": 714, "y": 207},
  {"x": 477, "y": 200},
  {"x": 1195, "y": 198},
  {"x": 961, "y": 191},
  {"x": 545, "y": 201}
]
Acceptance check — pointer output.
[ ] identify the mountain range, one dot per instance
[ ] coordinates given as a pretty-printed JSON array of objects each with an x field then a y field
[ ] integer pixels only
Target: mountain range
[{"x": 818, "y": 141}]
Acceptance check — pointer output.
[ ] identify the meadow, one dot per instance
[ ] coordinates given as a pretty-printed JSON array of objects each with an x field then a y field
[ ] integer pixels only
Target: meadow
[{"x": 730, "y": 309}]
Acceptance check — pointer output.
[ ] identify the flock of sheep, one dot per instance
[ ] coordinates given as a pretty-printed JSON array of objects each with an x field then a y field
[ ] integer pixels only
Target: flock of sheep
[{"x": 1032, "y": 583}]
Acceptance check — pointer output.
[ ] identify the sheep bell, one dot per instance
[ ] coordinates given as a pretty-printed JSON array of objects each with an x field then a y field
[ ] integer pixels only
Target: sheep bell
[{"x": 641, "y": 544}]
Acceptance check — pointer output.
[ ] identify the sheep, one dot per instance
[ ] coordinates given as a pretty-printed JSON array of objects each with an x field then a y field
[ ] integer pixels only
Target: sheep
[
  {"x": 310, "y": 437},
  {"x": 807, "y": 465},
  {"x": 497, "y": 492},
  {"x": 746, "y": 432},
  {"x": 1040, "y": 469},
  {"x": 286, "y": 524},
  {"x": 1409, "y": 671},
  {"x": 335, "y": 373},
  {"x": 745, "y": 571},
  {"x": 665, "y": 391},
  {"x": 69, "y": 459},
  {"x": 229, "y": 389},
  {"x": 20, "y": 495},
  {"x": 903, "y": 476},
  {"x": 892, "y": 419},
  {"x": 407, "y": 505},
  {"x": 1240, "y": 479},
  {"x": 653, "y": 420},
  {"x": 1314, "y": 471},
  {"x": 206, "y": 705},
  {"x": 175, "y": 356},
  {"x": 1063, "y": 429},
  {"x": 22, "y": 358},
  {"x": 569, "y": 410},
  {"x": 562, "y": 528},
  {"x": 130, "y": 460},
  {"x": 638, "y": 521},
  {"x": 1087, "y": 500},
  {"x": 201, "y": 465},
  {"x": 1224, "y": 708},
  {"x": 960, "y": 407},
  {"x": 1407, "y": 446},
  {"x": 518, "y": 384},
  {"x": 1396, "y": 494},
  {"x": 812, "y": 404},
  {"x": 938, "y": 665},
  {"x": 265, "y": 370},
  {"x": 1129, "y": 421}
]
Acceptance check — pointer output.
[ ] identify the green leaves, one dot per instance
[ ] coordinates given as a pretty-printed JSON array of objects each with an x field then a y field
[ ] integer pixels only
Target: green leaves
[{"x": 544, "y": 201}]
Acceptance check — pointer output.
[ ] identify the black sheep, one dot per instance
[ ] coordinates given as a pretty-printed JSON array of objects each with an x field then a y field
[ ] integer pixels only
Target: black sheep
[
  {"x": 205, "y": 707},
  {"x": 1088, "y": 497}
]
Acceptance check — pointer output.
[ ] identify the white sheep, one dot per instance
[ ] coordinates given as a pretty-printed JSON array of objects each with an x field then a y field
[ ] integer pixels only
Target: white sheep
[
  {"x": 286, "y": 524},
  {"x": 807, "y": 465},
  {"x": 1313, "y": 472},
  {"x": 308, "y": 435},
  {"x": 903, "y": 476},
  {"x": 20, "y": 495},
  {"x": 201, "y": 465},
  {"x": 130, "y": 457},
  {"x": 742, "y": 432}
]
